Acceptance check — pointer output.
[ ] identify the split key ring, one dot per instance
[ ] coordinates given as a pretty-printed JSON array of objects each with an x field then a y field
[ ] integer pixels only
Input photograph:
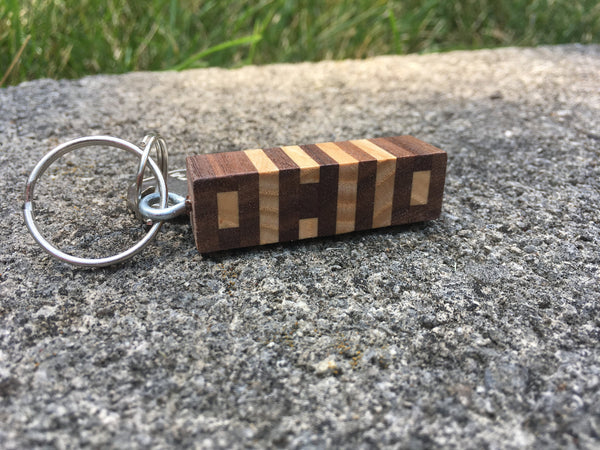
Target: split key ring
[{"x": 159, "y": 174}]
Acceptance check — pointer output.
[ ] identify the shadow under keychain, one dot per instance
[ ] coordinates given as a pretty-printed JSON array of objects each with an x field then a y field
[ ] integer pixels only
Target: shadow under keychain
[{"x": 263, "y": 196}]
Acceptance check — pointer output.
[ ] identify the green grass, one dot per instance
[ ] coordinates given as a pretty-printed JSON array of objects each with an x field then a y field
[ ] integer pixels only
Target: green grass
[{"x": 72, "y": 38}]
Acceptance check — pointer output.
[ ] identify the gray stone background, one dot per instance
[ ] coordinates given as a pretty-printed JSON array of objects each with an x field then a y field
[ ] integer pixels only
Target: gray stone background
[{"x": 478, "y": 330}]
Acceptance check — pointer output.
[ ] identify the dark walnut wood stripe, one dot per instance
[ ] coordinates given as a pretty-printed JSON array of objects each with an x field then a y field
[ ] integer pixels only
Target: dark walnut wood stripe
[
  {"x": 414, "y": 145},
  {"x": 327, "y": 190},
  {"x": 289, "y": 187},
  {"x": 203, "y": 199},
  {"x": 241, "y": 199}
]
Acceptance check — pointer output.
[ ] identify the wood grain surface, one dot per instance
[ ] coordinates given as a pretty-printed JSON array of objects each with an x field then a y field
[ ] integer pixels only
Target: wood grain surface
[{"x": 263, "y": 196}]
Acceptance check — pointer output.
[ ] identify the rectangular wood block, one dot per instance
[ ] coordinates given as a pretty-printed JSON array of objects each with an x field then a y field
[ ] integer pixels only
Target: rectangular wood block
[{"x": 263, "y": 196}]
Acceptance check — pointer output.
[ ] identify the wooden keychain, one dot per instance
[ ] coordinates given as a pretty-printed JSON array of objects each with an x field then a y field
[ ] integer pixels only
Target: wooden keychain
[{"x": 264, "y": 196}]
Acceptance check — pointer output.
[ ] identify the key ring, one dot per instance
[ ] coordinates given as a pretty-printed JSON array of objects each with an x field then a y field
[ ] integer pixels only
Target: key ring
[
  {"x": 90, "y": 141},
  {"x": 149, "y": 142},
  {"x": 144, "y": 203}
]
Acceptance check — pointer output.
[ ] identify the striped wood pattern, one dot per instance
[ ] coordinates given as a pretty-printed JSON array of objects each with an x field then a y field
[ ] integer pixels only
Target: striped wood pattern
[
  {"x": 263, "y": 196},
  {"x": 347, "y": 185},
  {"x": 268, "y": 195},
  {"x": 384, "y": 182}
]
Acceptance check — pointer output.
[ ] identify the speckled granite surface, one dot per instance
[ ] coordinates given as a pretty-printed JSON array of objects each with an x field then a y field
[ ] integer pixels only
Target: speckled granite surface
[{"x": 478, "y": 330}]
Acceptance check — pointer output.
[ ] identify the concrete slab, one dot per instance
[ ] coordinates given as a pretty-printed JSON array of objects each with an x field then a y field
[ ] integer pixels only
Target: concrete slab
[{"x": 478, "y": 330}]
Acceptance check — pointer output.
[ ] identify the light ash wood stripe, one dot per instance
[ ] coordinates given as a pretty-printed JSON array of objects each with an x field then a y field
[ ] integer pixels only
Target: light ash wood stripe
[
  {"x": 228, "y": 210},
  {"x": 419, "y": 193},
  {"x": 347, "y": 187},
  {"x": 384, "y": 182},
  {"x": 268, "y": 195},
  {"x": 309, "y": 168},
  {"x": 308, "y": 228}
]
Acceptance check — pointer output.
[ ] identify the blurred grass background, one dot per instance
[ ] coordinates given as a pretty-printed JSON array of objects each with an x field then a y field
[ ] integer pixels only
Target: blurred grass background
[{"x": 72, "y": 38}]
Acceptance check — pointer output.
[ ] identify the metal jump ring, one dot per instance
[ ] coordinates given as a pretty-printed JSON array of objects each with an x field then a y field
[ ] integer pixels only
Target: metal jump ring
[
  {"x": 149, "y": 142},
  {"x": 147, "y": 210},
  {"x": 61, "y": 150}
]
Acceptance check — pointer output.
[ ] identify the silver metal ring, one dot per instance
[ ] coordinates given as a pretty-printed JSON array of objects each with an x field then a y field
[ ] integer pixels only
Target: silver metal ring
[
  {"x": 149, "y": 142},
  {"x": 61, "y": 150}
]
